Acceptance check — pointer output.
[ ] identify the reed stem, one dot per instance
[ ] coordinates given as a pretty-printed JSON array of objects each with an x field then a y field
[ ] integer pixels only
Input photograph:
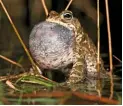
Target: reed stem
[
  {"x": 69, "y": 4},
  {"x": 45, "y": 8},
  {"x": 98, "y": 37},
  {"x": 109, "y": 36},
  {"x": 11, "y": 61}
]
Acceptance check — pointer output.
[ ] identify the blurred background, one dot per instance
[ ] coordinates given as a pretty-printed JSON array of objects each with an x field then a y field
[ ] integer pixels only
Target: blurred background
[{"x": 26, "y": 13}]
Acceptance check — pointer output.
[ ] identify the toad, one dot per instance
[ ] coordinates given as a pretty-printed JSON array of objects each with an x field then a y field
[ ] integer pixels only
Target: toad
[{"x": 59, "y": 41}]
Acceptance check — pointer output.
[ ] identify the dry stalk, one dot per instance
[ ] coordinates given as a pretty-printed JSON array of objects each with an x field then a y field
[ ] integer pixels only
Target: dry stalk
[
  {"x": 109, "y": 36},
  {"x": 44, "y": 6},
  {"x": 4, "y": 78},
  {"x": 69, "y": 4},
  {"x": 20, "y": 39},
  {"x": 95, "y": 98},
  {"x": 9, "y": 83},
  {"x": 11, "y": 61},
  {"x": 110, "y": 50},
  {"x": 98, "y": 38},
  {"x": 117, "y": 58}
]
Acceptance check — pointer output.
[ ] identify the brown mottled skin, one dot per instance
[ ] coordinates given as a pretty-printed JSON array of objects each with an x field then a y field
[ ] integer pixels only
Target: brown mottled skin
[{"x": 59, "y": 41}]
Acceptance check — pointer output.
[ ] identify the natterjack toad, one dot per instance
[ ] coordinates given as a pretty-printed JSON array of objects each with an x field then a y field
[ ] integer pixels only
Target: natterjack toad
[{"x": 59, "y": 41}]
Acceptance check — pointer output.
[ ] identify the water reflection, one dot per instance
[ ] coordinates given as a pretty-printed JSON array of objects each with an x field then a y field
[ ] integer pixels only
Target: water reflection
[{"x": 107, "y": 87}]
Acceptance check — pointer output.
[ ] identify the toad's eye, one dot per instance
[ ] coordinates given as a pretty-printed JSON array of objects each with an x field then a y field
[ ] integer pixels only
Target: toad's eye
[{"x": 67, "y": 15}]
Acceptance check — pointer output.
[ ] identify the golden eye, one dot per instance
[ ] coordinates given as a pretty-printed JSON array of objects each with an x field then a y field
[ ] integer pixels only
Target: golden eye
[{"x": 67, "y": 15}]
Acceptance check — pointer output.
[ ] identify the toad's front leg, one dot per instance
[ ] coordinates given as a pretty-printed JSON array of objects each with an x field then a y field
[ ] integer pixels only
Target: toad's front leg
[
  {"x": 79, "y": 67},
  {"x": 78, "y": 70}
]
